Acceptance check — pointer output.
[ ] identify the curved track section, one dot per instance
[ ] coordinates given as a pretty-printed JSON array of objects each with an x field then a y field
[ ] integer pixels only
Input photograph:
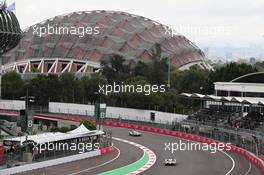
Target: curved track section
[{"x": 188, "y": 162}]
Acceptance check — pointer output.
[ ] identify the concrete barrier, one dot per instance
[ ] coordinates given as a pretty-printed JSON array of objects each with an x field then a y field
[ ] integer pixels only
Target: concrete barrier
[
  {"x": 12, "y": 104},
  {"x": 117, "y": 113},
  {"x": 43, "y": 164}
]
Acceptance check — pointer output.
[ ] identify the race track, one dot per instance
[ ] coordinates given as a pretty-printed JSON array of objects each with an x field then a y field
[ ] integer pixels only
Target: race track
[{"x": 188, "y": 162}]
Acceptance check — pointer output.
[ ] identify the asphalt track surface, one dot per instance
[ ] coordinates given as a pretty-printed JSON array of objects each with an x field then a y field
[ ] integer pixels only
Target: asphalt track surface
[
  {"x": 188, "y": 162},
  {"x": 128, "y": 155}
]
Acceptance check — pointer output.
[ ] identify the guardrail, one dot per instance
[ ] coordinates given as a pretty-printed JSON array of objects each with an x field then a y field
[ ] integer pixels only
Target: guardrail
[{"x": 250, "y": 156}]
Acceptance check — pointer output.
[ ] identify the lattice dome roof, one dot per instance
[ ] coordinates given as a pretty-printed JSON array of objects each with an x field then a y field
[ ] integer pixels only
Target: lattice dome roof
[{"x": 119, "y": 33}]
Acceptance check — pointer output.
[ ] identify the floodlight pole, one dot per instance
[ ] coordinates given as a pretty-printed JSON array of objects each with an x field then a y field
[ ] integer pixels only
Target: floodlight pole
[
  {"x": 0, "y": 83},
  {"x": 169, "y": 70},
  {"x": 27, "y": 100},
  {"x": 1, "y": 79}
]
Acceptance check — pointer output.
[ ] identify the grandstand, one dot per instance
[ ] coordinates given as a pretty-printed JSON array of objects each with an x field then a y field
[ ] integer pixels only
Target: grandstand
[{"x": 235, "y": 104}]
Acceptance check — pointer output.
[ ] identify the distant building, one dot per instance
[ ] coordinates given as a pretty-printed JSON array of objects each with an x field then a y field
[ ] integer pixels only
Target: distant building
[{"x": 252, "y": 60}]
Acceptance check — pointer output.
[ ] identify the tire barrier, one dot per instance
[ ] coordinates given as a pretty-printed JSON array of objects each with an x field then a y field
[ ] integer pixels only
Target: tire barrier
[{"x": 250, "y": 156}]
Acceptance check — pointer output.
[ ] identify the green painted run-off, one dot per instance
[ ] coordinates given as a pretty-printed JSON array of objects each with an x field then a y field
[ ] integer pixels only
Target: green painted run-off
[{"x": 129, "y": 168}]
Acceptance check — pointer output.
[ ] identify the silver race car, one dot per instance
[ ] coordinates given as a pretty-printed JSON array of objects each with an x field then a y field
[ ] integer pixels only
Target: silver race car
[
  {"x": 134, "y": 133},
  {"x": 170, "y": 162}
]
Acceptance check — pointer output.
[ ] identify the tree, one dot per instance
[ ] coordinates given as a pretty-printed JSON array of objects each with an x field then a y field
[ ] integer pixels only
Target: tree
[
  {"x": 38, "y": 87},
  {"x": 260, "y": 66},
  {"x": 136, "y": 100},
  {"x": 44, "y": 89},
  {"x": 228, "y": 72},
  {"x": 90, "y": 85},
  {"x": 89, "y": 125},
  {"x": 156, "y": 69},
  {"x": 141, "y": 69},
  {"x": 54, "y": 87},
  {"x": 68, "y": 85},
  {"x": 12, "y": 85},
  {"x": 63, "y": 129},
  {"x": 191, "y": 81},
  {"x": 115, "y": 68}
]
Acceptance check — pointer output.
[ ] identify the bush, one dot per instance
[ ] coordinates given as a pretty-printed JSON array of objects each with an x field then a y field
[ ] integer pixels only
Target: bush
[
  {"x": 89, "y": 125},
  {"x": 73, "y": 127},
  {"x": 55, "y": 129},
  {"x": 62, "y": 129}
]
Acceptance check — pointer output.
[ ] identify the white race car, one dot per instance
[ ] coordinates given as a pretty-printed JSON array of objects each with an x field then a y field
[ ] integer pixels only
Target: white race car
[
  {"x": 134, "y": 133},
  {"x": 170, "y": 162}
]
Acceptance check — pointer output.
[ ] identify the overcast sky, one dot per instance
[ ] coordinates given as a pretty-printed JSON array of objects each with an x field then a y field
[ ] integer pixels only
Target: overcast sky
[{"x": 233, "y": 23}]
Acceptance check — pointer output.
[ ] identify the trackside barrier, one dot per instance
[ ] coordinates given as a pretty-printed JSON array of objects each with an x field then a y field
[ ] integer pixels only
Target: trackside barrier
[
  {"x": 106, "y": 150},
  {"x": 250, "y": 156},
  {"x": 10, "y": 113},
  {"x": 2, "y": 153},
  {"x": 44, "y": 164}
]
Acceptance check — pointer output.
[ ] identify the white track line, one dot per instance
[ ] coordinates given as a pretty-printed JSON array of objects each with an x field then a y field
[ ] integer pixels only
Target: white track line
[
  {"x": 105, "y": 163},
  {"x": 249, "y": 169},
  {"x": 152, "y": 155},
  {"x": 233, "y": 162}
]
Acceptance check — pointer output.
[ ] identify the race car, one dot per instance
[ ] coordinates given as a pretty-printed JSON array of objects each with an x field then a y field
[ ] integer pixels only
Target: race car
[
  {"x": 134, "y": 133},
  {"x": 170, "y": 162}
]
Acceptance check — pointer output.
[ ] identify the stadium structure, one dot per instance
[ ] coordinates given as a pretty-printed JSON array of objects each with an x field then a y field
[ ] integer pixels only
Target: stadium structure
[
  {"x": 10, "y": 32},
  {"x": 55, "y": 46}
]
